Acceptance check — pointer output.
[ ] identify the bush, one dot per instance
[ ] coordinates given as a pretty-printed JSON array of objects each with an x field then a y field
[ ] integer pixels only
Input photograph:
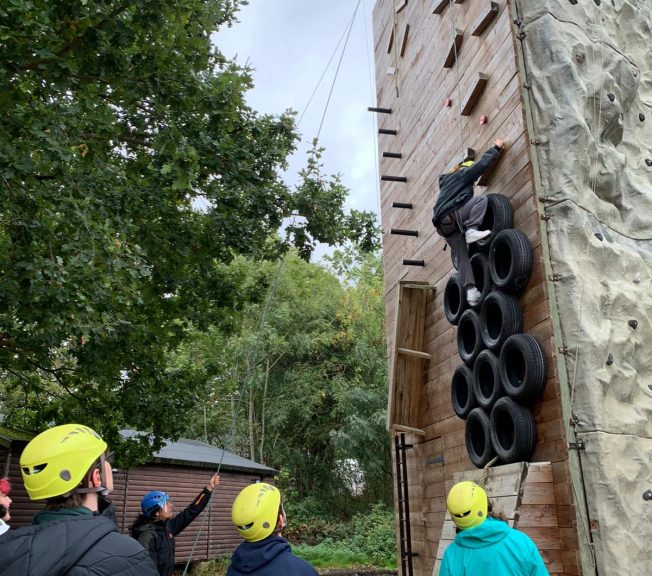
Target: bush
[{"x": 369, "y": 539}]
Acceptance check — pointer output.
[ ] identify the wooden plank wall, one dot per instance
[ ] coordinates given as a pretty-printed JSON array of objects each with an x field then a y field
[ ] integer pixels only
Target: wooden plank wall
[{"x": 431, "y": 137}]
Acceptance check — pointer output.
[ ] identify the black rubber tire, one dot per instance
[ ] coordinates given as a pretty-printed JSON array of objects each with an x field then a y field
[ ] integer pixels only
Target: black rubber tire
[
  {"x": 469, "y": 339},
  {"x": 477, "y": 435},
  {"x": 510, "y": 260},
  {"x": 513, "y": 431},
  {"x": 487, "y": 387},
  {"x": 481, "y": 275},
  {"x": 499, "y": 216},
  {"x": 454, "y": 299},
  {"x": 462, "y": 396},
  {"x": 501, "y": 317},
  {"x": 522, "y": 368}
]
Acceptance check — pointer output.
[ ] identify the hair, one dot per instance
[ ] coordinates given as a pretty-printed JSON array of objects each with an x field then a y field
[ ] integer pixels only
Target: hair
[
  {"x": 492, "y": 514},
  {"x": 5, "y": 485},
  {"x": 73, "y": 499}
]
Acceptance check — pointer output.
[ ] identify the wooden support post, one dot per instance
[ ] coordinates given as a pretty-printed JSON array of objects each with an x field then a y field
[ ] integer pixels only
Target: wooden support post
[
  {"x": 381, "y": 110},
  {"x": 486, "y": 176},
  {"x": 414, "y": 263},
  {"x": 385, "y": 178},
  {"x": 387, "y": 131},
  {"x": 399, "y": 232},
  {"x": 407, "y": 205},
  {"x": 454, "y": 52},
  {"x": 486, "y": 16},
  {"x": 474, "y": 95},
  {"x": 392, "y": 155}
]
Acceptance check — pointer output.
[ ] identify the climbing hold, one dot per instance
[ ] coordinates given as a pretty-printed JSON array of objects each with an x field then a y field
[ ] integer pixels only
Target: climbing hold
[
  {"x": 647, "y": 495},
  {"x": 483, "y": 120},
  {"x": 610, "y": 359},
  {"x": 597, "y": 2},
  {"x": 633, "y": 323},
  {"x": 641, "y": 117},
  {"x": 599, "y": 236},
  {"x": 648, "y": 161},
  {"x": 447, "y": 103},
  {"x": 573, "y": 2},
  {"x": 637, "y": 279},
  {"x": 611, "y": 96}
]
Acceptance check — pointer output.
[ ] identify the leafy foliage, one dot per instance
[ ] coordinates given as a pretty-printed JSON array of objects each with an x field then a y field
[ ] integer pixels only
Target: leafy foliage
[{"x": 131, "y": 167}]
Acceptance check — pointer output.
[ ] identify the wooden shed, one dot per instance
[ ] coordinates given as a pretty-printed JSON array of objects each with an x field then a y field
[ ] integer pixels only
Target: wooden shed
[
  {"x": 181, "y": 469},
  {"x": 451, "y": 77}
]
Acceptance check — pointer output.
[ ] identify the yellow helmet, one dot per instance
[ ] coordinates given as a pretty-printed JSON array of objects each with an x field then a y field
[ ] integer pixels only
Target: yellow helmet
[
  {"x": 467, "y": 164},
  {"x": 55, "y": 461},
  {"x": 255, "y": 511},
  {"x": 467, "y": 504}
]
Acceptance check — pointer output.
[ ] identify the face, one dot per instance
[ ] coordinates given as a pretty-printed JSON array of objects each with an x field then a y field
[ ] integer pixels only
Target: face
[
  {"x": 6, "y": 502},
  {"x": 166, "y": 512}
]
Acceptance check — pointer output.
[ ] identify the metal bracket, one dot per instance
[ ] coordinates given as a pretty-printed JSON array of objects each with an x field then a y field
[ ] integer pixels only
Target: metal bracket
[
  {"x": 579, "y": 445},
  {"x": 545, "y": 217},
  {"x": 554, "y": 277},
  {"x": 563, "y": 349}
]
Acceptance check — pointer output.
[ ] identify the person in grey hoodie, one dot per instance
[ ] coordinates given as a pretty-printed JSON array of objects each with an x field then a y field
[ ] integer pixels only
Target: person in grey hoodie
[{"x": 457, "y": 214}]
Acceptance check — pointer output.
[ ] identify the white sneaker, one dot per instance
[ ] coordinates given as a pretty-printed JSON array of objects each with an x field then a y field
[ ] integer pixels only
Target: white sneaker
[
  {"x": 473, "y": 296},
  {"x": 472, "y": 235}
]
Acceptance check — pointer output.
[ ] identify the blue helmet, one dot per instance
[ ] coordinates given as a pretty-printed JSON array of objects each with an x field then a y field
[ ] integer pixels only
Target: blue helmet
[{"x": 152, "y": 502}]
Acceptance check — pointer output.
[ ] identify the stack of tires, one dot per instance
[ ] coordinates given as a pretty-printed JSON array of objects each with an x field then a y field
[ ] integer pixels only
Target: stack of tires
[{"x": 503, "y": 370}]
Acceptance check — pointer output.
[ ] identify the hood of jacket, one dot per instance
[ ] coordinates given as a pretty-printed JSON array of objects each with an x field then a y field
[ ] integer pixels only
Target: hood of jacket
[
  {"x": 53, "y": 548},
  {"x": 490, "y": 532},
  {"x": 144, "y": 524},
  {"x": 251, "y": 556}
]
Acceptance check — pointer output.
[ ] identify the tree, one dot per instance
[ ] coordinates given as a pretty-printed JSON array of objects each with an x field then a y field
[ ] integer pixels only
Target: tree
[
  {"x": 307, "y": 369},
  {"x": 130, "y": 164}
]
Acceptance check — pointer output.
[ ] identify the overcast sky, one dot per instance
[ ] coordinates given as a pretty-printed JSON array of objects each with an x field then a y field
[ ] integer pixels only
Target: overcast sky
[{"x": 289, "y": 44}]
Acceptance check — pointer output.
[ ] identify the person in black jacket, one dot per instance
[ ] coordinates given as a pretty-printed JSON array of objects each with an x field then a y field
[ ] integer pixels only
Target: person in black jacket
[
  {"x": 74, "y": 535},
  {"x": 457, "y": 214},
  {"x": 258, "y": 515},
  {"x": 157, "y": 527}
]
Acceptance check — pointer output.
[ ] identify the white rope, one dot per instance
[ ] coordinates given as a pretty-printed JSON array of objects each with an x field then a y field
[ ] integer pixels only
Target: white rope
[
  {"x": 251, "y": 362},
  {"x": 457, "y": 70}
]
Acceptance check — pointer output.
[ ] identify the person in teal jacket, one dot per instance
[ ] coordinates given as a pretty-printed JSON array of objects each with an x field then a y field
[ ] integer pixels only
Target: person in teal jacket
[{"x": 486, "y": 545}]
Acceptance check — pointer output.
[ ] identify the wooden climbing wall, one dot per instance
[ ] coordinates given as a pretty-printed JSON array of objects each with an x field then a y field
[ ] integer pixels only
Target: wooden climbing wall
[{"x": 419, "y": 137}]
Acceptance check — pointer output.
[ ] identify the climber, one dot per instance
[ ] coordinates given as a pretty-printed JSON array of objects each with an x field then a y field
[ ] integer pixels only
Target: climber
[
  {"x": 457, "y": 214},
  {"x": 485, "y": 544}
]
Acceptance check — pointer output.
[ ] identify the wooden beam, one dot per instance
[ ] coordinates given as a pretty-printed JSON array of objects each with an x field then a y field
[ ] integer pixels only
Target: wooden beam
[
  {"x": 469, "y": 154},
  {"x": 400, "y": 7},
  {"x": 415, "y": 353},
  {"x": 387, "y": 131},
  {"x": 474, "y": 95},
  {"x": 402, "y": 428},
  {"x": 439, "y": 6},
  {"x": 379, "y": 109},
  {"x": 406, "y": 205},
  {"x": 489, "y": 12},
  {"x": 454, "y": 52},
  {"x": 404, "y": 40},
  {"x": 392, "y": 155},
  {"x": 386, "y": 178}
]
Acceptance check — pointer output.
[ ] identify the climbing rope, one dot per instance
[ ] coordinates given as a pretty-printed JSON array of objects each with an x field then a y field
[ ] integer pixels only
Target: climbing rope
[
  {"x": 348, "y": 34},
  {"x": 457, "y": 70},
  {"x": 395, "y": 46},
  {"x": 251, "y": 363}
]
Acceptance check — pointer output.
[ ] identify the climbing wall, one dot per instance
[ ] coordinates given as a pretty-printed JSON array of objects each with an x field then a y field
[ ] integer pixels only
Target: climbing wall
[
  {"x": 589, "y": 107},
  {"x": 449, "y": 82}
]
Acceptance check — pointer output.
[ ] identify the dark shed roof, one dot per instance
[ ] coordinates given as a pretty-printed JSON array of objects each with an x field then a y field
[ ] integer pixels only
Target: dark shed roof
[{"x": 196, "y": 453}]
